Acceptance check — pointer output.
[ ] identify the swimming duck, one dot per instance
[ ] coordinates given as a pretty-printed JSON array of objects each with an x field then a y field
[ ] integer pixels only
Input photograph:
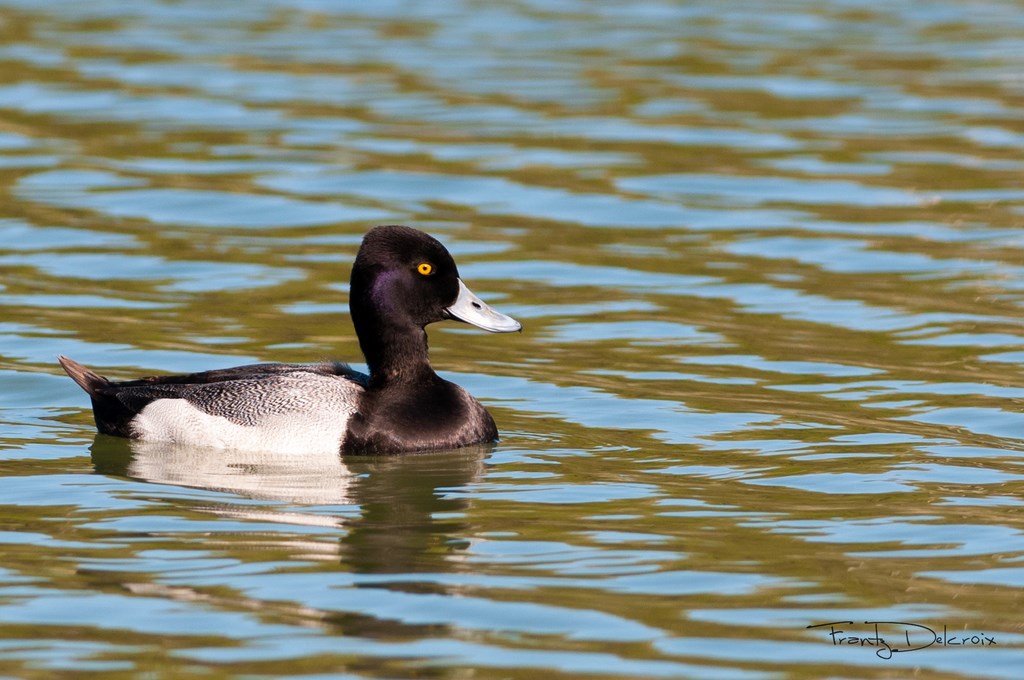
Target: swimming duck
[{"x": 402, "y": 280}]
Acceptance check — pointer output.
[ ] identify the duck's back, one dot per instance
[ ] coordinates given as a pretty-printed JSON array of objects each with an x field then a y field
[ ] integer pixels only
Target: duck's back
[{"x": 281, "y": 407}]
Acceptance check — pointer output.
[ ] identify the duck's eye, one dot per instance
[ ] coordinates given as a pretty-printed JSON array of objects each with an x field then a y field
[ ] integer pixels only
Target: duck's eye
[{"x": 425, "y": 268}]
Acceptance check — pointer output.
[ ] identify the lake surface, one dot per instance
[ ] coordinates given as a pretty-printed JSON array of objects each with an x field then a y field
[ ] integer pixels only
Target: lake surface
[{"x": 769, "y": 259}]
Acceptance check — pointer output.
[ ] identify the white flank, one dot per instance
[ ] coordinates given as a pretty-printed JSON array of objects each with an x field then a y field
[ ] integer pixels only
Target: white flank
[{"x": 297, "y": 432}]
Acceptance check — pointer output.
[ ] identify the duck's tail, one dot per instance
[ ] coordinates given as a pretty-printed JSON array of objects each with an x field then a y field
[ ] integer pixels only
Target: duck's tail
[{"x": 87, "y": 379}]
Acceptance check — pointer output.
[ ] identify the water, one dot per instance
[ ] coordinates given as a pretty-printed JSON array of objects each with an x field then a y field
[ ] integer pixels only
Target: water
[{"x": 770, "y": 266}]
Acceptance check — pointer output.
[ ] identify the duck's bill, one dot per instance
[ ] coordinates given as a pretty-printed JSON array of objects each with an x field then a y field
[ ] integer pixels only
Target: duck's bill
[{"x": 471, "y": 309}]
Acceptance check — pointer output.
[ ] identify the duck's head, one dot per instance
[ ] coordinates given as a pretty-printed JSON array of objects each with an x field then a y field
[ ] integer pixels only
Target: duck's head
[{"x": 404, "y": 279}]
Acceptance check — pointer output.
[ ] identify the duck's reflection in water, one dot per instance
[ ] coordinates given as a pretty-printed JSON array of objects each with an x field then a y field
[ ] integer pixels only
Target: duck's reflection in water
[
  {"x": 392, "y": 503},
  {"x": 308, "y": 479},
  {"x": 375, "y": 515},
  {"x": 411, "y": 518}
]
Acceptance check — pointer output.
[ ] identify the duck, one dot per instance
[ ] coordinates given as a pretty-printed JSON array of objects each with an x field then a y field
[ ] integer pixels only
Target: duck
[{"x": 402, "y": 280}]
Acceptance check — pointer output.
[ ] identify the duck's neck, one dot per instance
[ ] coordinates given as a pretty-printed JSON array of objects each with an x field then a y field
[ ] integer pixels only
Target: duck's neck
[
  {"x": 395, "y": 353},
  {"x": 393, "y": 342}
]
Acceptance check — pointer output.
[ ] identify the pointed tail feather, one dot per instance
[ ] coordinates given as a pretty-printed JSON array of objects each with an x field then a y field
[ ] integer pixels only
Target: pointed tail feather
[{"x": 87, "y": 379}]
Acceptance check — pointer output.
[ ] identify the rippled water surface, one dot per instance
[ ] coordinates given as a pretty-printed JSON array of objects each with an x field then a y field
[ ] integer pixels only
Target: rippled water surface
[{"x": 770, "y": 263}]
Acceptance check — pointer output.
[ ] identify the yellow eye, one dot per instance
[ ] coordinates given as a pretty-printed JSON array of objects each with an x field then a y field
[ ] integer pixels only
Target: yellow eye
[{"x": 425, "y": 268}]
